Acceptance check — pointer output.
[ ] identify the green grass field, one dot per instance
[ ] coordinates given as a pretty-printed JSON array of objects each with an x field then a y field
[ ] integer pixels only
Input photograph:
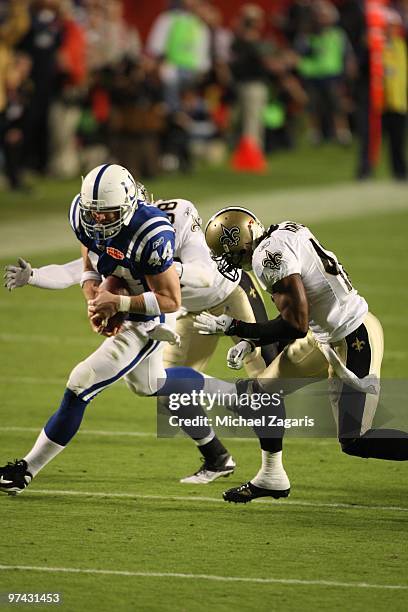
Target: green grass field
[{"x": 108, "y": 525}]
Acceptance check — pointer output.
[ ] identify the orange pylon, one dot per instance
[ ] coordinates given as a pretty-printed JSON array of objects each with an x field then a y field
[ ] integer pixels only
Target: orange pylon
[{"x": 248, "y": 157}]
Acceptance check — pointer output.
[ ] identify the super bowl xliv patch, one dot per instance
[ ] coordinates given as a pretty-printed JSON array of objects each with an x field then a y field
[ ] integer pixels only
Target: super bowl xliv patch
[{"x": 115, "y": 253}]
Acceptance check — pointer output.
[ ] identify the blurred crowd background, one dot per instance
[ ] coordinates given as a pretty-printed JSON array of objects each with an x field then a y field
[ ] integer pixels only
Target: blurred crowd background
[{"x": 82, "y": 82}]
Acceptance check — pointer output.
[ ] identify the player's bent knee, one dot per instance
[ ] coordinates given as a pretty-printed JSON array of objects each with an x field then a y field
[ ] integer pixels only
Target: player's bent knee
[
  {"x": 140, "y": 387},
  {"x": 81, "y": 378}
]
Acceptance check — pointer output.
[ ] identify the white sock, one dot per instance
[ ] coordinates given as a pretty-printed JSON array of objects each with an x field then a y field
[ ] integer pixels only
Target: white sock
[
  {"x": 42, "y": 452},
  {"x": 272, "y": 474}
]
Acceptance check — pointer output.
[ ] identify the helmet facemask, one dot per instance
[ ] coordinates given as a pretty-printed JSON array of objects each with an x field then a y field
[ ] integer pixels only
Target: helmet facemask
[
  {"x": 229, "y": 264},
  {"x": 103, "y": 231},
  {"x": 119, "y": 195}
]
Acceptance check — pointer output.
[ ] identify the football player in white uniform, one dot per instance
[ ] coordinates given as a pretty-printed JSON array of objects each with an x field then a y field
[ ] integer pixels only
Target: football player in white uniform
[
  {"x": 202, "y": 287},
  {"x": 330, "y": 331}
]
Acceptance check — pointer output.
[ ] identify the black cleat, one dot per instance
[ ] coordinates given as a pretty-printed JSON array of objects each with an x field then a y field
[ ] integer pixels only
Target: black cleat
[
  {"x": 14, "y": 477},
  {"x": 248, "y": 491}
]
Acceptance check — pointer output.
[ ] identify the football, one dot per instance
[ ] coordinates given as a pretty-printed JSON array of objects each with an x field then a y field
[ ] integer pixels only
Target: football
[{"x": 118, "y": 286}]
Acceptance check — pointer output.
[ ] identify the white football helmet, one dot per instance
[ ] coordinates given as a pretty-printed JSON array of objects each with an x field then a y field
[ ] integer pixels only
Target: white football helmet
[{"x": 109, "y": 188}]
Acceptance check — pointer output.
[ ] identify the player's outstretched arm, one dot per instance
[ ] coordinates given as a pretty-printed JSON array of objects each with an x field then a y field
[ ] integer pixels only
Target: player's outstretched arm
[
  {"x": 197, "y": 269},
  {"x": 53, "y": 276},
  {"x": 290, "y": 298}
]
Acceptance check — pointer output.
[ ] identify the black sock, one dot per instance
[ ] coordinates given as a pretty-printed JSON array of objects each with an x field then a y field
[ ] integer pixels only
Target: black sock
[
  {"x": 194, "y": 413},
  {"x": 213, "y": 451},
  {"x": 389, "y": 444},
  {"x": 272, "y": 445}
]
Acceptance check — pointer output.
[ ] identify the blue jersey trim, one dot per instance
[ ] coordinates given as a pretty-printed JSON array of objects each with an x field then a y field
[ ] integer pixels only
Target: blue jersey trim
[
  {"x": 154, "y": 232},
  {"x": 133, "y": 316},
  {"x": 98, "y": 180},
  {"x": 74, "y": 212},
  {"x": 144, "y": 228}
]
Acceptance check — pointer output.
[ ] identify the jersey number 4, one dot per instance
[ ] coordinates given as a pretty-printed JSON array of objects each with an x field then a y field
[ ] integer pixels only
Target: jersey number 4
[
  {"x": 157, "y": 260},
  {"x": 330, "y": 265}
]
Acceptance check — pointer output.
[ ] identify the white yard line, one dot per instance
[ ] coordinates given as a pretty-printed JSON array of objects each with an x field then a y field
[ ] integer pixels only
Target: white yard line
[
  {"x": 141, "y": 434},
  {"x": 315, "y": 204},
  {"x": 46, "y": 339},
  {"x": 209, "y": 577},
  {"x": 47, "y": 234},
  {"x": 8, "y": 304},
  {"x": 31, "y": 380},
  {"x": 212, "y": 500},
  {"x": 87, "y": 432},
  {"x": 51, "y": 233}
]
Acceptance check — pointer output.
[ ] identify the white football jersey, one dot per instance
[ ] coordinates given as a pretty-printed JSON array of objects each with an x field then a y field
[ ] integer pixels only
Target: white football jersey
[
  {"x": 190, "y": 247},
  {"x": 335, "y": 308}
]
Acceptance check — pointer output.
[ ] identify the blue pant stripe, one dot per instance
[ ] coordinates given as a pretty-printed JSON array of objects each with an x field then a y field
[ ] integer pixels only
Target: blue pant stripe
[{"x": 152, "y": 344}]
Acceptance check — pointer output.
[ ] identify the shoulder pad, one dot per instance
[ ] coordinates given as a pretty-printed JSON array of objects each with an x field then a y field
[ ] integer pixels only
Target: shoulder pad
[{"x": 180, "y": 212}]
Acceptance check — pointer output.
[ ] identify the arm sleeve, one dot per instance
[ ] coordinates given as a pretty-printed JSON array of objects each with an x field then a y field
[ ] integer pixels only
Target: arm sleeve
[
  {"x": 199, "y": 270},
  {"x": 57, "y": 276},
  {"x": 265, "y": 333},
  {"x": 157, "y": 254}
]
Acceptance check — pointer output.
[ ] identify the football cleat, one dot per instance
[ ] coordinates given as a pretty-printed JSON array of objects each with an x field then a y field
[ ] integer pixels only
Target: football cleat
[
  {"x": 209, "y": 471},
  {"x": 248, "y": 491},
  {"x": 14, "y": 477}
]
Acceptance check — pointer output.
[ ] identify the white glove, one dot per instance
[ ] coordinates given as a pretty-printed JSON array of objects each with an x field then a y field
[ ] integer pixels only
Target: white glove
[
  {"x": 237, "y": 354},
  {"x": 207, "y": 323},
  {"x": 182, "y": 312},
  {"x": 159, "y": 331},
  {"x": 164, "y": 333},
  {"x": 17, "y": 276}
]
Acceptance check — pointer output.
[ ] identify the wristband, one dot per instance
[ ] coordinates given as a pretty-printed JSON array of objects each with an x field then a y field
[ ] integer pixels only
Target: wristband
[
  {"x": 90, "y": 275},
  {"x": 151, "y": 304},
  {"x": 34, "y": 277},
  {"x": 251, "y": 344},
  {"x": 124, "y": 303}
]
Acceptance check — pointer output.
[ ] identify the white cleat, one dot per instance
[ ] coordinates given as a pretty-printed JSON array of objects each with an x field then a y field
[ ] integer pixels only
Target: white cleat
[{"x": 210, "y": 472}]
